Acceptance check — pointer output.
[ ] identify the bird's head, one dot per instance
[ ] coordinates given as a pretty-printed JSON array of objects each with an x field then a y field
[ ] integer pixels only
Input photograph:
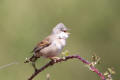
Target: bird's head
[{"x": 61, "y": 31}]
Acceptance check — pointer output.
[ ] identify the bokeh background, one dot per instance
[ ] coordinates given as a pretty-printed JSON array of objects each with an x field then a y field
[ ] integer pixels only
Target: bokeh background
[{"x": 95, "y": 29}]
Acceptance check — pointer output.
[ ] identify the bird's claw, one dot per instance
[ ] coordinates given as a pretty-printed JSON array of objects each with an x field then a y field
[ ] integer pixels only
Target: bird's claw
[{"x": 55, "y": 59}]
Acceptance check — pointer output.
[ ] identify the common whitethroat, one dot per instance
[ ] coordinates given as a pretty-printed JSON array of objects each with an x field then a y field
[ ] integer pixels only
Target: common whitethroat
[{"x": 52, "y": 45}]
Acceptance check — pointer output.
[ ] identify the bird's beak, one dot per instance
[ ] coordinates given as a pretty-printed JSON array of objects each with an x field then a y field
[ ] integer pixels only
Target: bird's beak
[{"x": 68, "y": 32}]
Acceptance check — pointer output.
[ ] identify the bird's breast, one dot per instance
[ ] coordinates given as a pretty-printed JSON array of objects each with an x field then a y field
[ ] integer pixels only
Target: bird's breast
[
  {"x": 54, "y": 49},
  {"x": 59, "y": 43}
]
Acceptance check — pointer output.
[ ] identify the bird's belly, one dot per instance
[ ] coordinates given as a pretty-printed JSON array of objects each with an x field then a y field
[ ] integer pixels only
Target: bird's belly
[{"x": 53, "y": 50}]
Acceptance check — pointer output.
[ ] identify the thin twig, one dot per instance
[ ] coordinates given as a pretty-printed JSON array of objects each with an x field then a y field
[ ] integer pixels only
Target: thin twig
[
  {"x": 7, "y": 65},
  {"x": 52, "y": 62}
]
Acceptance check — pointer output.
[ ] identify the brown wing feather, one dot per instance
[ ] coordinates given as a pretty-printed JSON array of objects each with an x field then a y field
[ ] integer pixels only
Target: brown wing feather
[{"x": 42, "y": 45}]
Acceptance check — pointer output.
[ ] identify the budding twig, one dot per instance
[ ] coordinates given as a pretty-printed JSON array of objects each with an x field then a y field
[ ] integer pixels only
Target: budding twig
[{"x": 52, "y": 62}]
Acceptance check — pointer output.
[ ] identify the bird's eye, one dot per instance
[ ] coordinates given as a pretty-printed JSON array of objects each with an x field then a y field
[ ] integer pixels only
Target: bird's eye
[{"x": 64, "y": 31}]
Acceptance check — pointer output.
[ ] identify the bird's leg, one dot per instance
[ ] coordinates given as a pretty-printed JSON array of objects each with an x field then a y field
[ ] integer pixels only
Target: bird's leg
[
  {"x": 54, "y": 58},
  {"x": 34, "y": 66}
]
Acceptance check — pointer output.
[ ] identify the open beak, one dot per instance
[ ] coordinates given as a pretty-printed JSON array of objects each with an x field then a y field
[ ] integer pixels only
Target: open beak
[{"x": 68, "y": 32}]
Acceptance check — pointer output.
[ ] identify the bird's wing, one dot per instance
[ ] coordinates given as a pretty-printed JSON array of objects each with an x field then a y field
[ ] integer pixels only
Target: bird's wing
[{"x": 45, "y": 43}]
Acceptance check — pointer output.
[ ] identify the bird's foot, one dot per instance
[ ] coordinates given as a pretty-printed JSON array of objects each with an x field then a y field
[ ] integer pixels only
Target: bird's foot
[{"x": 55, "y": 59}]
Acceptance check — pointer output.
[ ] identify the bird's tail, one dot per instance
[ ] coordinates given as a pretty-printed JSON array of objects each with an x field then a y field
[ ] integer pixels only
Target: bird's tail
[{"x": 31, "y": 59}]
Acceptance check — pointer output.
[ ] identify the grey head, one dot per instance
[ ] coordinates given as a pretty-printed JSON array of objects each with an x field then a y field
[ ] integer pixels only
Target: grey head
[
  {"x": 59, "y": 28},
  {"x": 61, "y": 31}
]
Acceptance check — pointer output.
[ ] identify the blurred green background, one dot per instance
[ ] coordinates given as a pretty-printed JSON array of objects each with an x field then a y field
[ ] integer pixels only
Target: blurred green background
[{"x": 95, "y": 29}]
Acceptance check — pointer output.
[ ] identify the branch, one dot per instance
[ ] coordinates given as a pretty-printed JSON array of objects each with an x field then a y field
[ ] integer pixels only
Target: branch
[{"x": 52, "y": 62}]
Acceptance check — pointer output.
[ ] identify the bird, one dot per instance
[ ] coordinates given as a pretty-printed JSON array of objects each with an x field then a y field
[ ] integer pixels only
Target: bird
[{"x": 52, "y": 45}]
